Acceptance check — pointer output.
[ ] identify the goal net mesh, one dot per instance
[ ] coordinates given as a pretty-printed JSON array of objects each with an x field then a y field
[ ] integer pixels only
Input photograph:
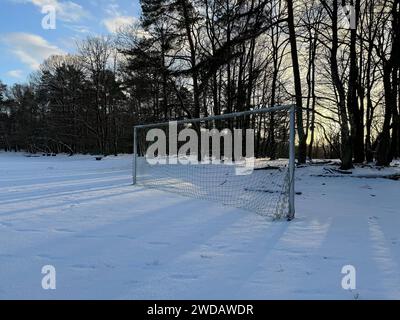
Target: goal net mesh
[{"x": 258, "y": 182}]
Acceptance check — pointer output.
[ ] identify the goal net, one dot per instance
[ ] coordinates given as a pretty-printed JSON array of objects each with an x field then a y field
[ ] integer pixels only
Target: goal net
[{"x": 243, "y": 160}]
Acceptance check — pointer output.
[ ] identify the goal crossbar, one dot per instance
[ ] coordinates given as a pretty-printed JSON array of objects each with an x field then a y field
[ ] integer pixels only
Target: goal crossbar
[{"x": 219, "y": 117}]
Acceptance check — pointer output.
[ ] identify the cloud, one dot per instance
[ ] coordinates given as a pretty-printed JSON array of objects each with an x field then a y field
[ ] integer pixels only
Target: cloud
[
  {"x": 116, "y": 18},
  {"x": 31, "y": 49},
  {"x": 79, "y": 28},
  {"x": 114, "y": 24},
  {"x": 67, "y": 11},
  {"x": 18, "y": 74},
  {"x": 113, "y": 9}
]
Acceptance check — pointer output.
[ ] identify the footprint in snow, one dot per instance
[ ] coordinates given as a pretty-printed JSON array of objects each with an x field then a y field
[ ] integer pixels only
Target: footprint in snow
[
  {"x": 63, "y": 230},
  {"x": 87, "y": 236},
  {"x": 28, "y": 230},
  {"x": 159, "y": 243},
  {"x": 122, "y": 236},
  {"x": 184, "y": 277},
  {"x": 5, "y": 224},
  {"x": 47, "y": 256},
  {"x": 84, "y": 266},
  {"x": 154, "y": 263},
  {"x": 131, "y": 282}
]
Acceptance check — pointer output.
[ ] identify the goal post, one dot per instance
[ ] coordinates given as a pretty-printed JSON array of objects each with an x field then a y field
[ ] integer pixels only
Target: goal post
[
  {"x": 212, "y": 165},
  {"x": 292, "y": 163}
]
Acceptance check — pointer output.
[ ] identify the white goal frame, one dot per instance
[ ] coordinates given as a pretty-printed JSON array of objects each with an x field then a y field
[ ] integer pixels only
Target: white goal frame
[{"x": 292, "y": 134}]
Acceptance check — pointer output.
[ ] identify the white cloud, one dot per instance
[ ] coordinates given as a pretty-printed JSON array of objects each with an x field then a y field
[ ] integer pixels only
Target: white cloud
[
  {"x": 113, "y": 9},
  {"x": 114, "y": 24},
  {"x": 18, "y": 74},
  {"x": 116, "y": 18},
  {"x": 67, "y": 11},
  {"x": 79, "y": 28},
  {"x": 31, "y": 49}
]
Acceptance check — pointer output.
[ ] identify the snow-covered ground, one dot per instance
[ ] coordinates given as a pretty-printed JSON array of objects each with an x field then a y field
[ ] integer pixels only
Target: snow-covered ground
[{"x": 109, "y": 239}]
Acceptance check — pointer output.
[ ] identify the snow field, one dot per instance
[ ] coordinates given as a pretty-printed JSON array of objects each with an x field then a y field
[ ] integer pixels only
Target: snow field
[{"x": 108, "y": 239}]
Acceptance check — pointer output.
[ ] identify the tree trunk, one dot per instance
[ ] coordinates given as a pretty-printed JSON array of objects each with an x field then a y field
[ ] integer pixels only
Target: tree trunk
[
  {"x": 355, "y": 114},
  {"x": 188, "y": 30},
  {"x": 384, "y": 149},
  {"x": 346, "y": 143},
  {"x": 302, "y": 151}
]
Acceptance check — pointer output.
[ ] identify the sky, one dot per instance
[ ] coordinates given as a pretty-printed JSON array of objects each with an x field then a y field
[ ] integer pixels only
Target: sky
[{"x": 24, "y": 43}]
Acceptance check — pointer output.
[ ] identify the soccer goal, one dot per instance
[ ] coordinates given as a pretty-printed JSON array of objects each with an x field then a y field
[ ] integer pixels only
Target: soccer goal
[{"x": 244, "y": 159}]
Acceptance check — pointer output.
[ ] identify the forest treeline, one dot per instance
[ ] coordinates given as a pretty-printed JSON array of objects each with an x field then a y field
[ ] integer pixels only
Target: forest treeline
[{"x": 339, "y": 61}]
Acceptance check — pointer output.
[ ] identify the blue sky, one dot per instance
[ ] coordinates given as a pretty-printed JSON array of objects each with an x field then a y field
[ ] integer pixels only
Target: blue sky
[{"x": 24, "y": 44}]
